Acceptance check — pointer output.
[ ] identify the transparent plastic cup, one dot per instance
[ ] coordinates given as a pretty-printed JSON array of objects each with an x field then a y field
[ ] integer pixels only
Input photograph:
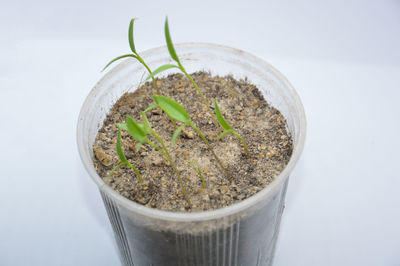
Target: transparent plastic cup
[{"x": 241, "y": 234}]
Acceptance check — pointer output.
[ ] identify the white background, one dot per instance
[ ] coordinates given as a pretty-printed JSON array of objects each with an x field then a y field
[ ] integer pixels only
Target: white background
[{"x": 343, "y": 57}]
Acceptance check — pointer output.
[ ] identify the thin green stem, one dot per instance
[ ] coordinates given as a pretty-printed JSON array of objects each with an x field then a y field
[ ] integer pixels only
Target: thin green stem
[
  {"x": 168, "y": 156},
  {"x": 196, "y": 167},
  {"x": 243, "y": 142},
  {"x": 149, "y": 70},
  {"x": 185, "y": 194},
  {"x": 129, "y": 165},
  {"x": 136, "y": 171},
  {"x": 203, "y": 181},
  {"x": 203, "y": 98},
  {"x": 154, "y": 81},
  {"x": 162, "y": 144},
  {"x": 198, "y": 131},
  {"x": 115, "y": 169},
  {"x": 158, "y": 148}
]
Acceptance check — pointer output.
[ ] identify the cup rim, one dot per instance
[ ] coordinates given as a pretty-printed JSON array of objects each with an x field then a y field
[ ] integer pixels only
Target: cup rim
[{"x": 262, "y": 195}]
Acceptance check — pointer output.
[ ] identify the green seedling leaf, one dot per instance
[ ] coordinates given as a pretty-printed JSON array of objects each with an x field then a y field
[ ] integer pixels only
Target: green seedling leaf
[
  {"x": 136, "y": 130},
  {"x": 151, "y": 108},
  {"x": 160, "y": 69},
  {"x": 176, "y": 134},
  {"x": 170, "y": 118},
  {"x": 130, "y": 36},
  {"x": 119, "y": 57},
  {"x": 223, "y": 134},
  {"x": 221, "y": 118},
  {"x": 172, "y": 108},
  {"x": 228, "y": 128},
  {"x": 146, "y": 123},
  {"x": 120, "y": 151},
  {"x": 122, "y": 126},
  {"x": 170, "y": 45}
]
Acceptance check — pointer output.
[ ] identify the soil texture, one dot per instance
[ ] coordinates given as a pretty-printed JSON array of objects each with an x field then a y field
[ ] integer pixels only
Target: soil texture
[{"x": 262, "y": 127}]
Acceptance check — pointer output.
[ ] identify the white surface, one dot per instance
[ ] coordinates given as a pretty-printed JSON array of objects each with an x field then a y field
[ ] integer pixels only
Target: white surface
[{"x": 343, "y": 57}]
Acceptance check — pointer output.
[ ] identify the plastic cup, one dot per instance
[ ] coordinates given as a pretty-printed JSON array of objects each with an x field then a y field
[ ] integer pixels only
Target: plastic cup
[{"x": 241, "y": 234}]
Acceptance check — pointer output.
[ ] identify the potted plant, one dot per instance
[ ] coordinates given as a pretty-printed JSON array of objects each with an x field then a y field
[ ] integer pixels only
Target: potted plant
[{"x": 192, "y": 168}]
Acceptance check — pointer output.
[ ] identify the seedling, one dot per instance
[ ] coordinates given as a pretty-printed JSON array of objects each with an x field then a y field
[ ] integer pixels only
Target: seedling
[
  {"x": 174, "y": 111},
  {"x": 122, "y": 158},
  {"x": 178, "y": 112},
  {"x": 196, "y": 167},
  {"x": 134, "y": 55},
  {"x": 138, "y": 57},
  {"x": 227, "y": 128},
  {"x": 140, "y": 131},
  {"x": 179, "y": 65}
]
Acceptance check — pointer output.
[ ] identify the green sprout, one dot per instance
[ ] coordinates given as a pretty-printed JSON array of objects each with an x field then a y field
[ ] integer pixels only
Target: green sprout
[
  {"x": 137, "y": 57},
  {"x": 140, "y": 131},
  {"x": 134, "y": 55},
  {"x": 179, "y": 65},
  {"x": 178, "y": 112},
  {"x": 196, "y": 167},
  {"x": 227, "y": 128},
  {"x": 124, "y": 161}
]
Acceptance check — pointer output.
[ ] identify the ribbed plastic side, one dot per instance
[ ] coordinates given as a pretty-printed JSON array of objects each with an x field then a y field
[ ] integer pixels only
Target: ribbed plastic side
[
  {"x": 278, "y": 224},
  {"x": 214, "y": 248},
  {"x": 232, "y": 241},
  {"x": 119, "y": 231}
]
